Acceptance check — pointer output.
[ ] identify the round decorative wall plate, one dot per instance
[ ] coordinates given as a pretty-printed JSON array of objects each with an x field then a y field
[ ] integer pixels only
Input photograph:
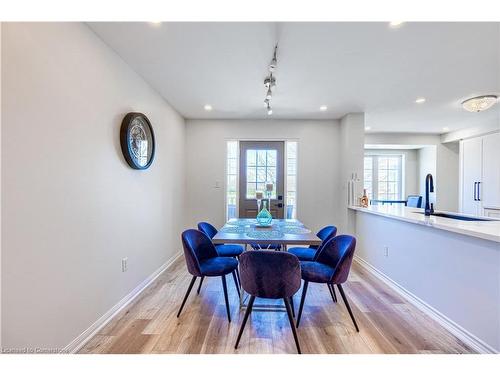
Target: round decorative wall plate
[{"x": 137, "y": 140}]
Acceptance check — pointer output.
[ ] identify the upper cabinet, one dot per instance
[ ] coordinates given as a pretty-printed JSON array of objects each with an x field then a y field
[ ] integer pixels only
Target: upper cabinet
[{"x": 480, "y": 174}]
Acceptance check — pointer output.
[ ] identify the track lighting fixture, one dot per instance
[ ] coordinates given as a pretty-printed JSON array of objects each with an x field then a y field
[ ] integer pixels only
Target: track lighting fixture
[{"x": 270, "y": 82}]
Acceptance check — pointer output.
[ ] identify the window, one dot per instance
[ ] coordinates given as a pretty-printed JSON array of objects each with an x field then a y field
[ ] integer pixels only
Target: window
[
  {"x": 261, "y": 168},
  {"x": 232, "y": 179},
  {"x": 383, "y": 177},
  {"x": 368, "y": 176},
  {"x": 291, "y": 180}
]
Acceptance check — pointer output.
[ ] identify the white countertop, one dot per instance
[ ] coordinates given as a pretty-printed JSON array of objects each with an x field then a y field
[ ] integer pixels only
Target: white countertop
[{"x": 488, "y": 230}]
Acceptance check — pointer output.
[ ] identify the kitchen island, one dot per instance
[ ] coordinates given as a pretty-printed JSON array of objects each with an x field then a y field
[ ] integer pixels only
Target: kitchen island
[{"x": 449, "y": 268}]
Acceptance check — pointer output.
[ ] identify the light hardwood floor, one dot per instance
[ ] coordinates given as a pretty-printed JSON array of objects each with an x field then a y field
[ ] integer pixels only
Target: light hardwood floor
[{"x": 388, "y": 323}]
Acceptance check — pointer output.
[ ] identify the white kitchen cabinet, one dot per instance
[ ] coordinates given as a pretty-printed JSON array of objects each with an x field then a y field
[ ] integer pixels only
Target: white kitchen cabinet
[
  {"x": 480, "y": 174},
  {"x": 471, "y": 175},
  {"x": 489, "y": 190}
]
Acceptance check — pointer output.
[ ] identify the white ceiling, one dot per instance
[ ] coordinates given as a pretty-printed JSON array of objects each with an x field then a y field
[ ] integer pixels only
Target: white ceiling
[{"x": 350, "y": 67}]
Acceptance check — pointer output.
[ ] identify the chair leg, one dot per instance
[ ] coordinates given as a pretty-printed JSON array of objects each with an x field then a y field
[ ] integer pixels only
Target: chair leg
[
  {"x": 237, "y": 271},
  {"x": 224, "y": 286},
  {"x": 187, "y": 294},
  {"x": 292, "y": 325},
  {"x": 236, "y": 283},
  {"x": 302, "y": 299},
  {"x": 291, "y": 305},
  {"x": 245, "y": 318},
  {"x": 238, "y": 277},
  {"x": 332, "y": 292},
  {"x": 347, "y": 305},
  {"x": 199, "y": 286}
]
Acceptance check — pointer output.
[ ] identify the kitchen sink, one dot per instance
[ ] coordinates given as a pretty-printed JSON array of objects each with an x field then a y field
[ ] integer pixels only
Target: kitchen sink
[{"x": 457, "y": 216}]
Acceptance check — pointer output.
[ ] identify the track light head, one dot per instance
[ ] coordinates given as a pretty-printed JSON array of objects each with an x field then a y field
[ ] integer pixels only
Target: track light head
[{"x": 269, "y": 94}]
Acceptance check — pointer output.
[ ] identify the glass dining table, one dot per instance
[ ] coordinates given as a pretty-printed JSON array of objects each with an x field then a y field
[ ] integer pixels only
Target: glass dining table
[{"x": 282, "y": 232}]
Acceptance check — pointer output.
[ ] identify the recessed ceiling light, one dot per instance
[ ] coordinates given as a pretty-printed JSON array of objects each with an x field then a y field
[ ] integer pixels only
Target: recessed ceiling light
[
  {"x": 155, "y": 23},
  {"x": 207, "y": 107},
  {"x": 479, "y": 103},
  {"x": 445, "y": 129},
  {"x": 395, "y": 24},
  {"x": 420, "y": 100},
  {"x": 323, "y": 108},
  {"x": 368, "y": 128}
]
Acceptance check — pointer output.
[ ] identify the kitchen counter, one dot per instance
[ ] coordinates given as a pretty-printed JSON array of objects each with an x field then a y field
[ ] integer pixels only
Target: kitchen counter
[
  {"x": 488, "y": 230},
  {"x": 449, "y": 268}
]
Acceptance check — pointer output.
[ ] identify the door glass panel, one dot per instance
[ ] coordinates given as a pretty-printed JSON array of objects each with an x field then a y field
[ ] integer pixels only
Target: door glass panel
[
  {"x": 251, "y": 189},
  {"x": 251, "y": 174},
  {"x": 261, "y": 169},
  {"x": 251, "y": 157},
  {"x": 271, "y": 158},
  {"x": 261, "y": 174},
  {"x": 261, "y": 158}
]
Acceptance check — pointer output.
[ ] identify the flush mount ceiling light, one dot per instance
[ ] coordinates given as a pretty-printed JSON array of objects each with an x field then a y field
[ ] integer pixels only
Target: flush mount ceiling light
[
  {"x": 479, "y": 103},
  {"x": 395, "y": 24},
  {"x": 270, "y": 82},
  {"x": 323, "y": 108},
  {"x": 420, "y": 100},
  {"x": 207, "y": 107},
  {"x": 445, "y": 129}
]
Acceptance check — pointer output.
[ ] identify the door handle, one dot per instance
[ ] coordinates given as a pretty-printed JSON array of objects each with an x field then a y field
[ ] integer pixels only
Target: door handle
[
  {"x": 475, "y": 184},
  {"x": 479, "y": 190}
]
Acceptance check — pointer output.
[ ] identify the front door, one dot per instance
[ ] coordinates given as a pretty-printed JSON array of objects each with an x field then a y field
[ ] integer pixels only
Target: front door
[{"x": 261, "y": 162}]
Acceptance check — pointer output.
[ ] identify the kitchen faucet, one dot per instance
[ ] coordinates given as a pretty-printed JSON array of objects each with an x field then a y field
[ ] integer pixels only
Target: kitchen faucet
[{"x": 429, "y": 187}]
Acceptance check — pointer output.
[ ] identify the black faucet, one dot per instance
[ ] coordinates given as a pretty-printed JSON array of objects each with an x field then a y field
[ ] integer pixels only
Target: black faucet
[{"x": 429, "y": 187}]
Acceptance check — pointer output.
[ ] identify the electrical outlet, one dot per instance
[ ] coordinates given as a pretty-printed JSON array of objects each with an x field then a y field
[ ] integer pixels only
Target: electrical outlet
[
  {"x": 386, "y": 251},
  {"x": 124, "y": 264}
]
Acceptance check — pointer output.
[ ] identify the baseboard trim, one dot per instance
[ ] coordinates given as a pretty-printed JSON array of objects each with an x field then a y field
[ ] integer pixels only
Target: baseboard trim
[
  {"x": 470, "y": 339},
  {"x": 75, "y": 345}
]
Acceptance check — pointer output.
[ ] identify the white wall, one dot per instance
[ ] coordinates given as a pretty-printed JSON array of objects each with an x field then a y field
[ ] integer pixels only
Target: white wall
[
  {"x": 426, "y": 165},
  {"x": 446, "y": 178},
  {"x": 74, "y": 208},
  {"x": 317, "y": 175},
  {"x": 411, "y": 177},
  {"x": 352, "y": 141}
]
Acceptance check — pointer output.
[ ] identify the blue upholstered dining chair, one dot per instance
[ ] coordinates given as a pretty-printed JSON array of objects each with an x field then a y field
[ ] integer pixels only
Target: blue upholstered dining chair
[
  {"x": 270, "y": 274},
  {"x": 414, "y": 201},
  {"x": 331, "y": 267},
  {"x": 308, "y": 253},
  {"x": 202, "y": 260},
  {"x": 223, "y": 250}
]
